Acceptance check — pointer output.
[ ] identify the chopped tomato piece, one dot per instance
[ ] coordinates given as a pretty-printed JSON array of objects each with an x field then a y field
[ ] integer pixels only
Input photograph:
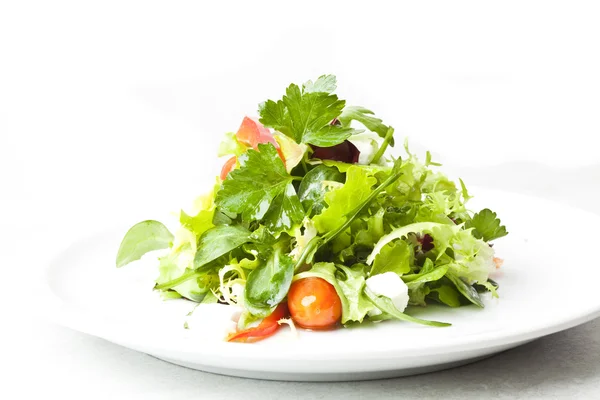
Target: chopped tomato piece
[
  {"x": 228, "y": 167},
  {"x": 252, "y": 133},
  {"x": 314, "y": 304},
  {"x": 266, "y": 328}
]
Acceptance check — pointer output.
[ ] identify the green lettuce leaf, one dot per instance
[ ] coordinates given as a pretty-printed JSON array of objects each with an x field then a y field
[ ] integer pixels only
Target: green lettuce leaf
[
  {"x": 199, "y": 223},
  {"x": 344, "y": 200},
  {"x": 180, "y": 261},
  {"x": 447, "y": 294},
  {"x": 230, "y": 146},
  {"x": 394, "y": 257},
  {"x": 472, "y": 258},
  {"x": 142, "y": 238}
]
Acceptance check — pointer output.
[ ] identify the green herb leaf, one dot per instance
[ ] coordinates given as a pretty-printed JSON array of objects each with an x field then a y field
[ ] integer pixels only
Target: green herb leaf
[
  {"x": 436, "y": 274},
  {"x": 323, "y": 84},
  {"x": 142, "y": 238},
  {"x": 219, "y": 241},
  {"x": 465, "y": 289},
  {"x": 387, "y": 306},
  {"x": 305, "y": 114},
  {"x": 486, "y": 225},
  {"x": 448, "y": 295},
  {"x": 313, "y": 187},
  {"x": 394, "y": 257},
  {"x": 230, "y": 146},
  {"x": 367, "y": 118},
  {"x": 261, "y": 188},
  {"x": 198, "y": 224},
  {"x": 285, "y": 211},
  {"x": 268, "y": 284}
]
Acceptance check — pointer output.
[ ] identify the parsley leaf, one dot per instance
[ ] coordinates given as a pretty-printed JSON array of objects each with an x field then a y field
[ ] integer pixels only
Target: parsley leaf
[
  {"x": 261, "y": 188},
  {"x": 487, "y": 225},
  {"x": 323, "y": 84},
  {"x": 305, "y": 114},
  {"x": 285, "y": 211}
]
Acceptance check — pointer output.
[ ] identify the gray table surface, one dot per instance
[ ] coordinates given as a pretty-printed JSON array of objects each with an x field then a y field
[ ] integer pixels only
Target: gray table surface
[{"x": 45, "y": 359}]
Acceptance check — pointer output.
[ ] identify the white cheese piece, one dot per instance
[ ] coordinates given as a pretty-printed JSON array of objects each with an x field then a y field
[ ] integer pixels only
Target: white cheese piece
[{"x": 390, "y": 285}]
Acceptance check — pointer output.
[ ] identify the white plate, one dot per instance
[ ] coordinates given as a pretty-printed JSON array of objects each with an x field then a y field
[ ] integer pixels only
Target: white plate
[{"x": 543, "y": 289}]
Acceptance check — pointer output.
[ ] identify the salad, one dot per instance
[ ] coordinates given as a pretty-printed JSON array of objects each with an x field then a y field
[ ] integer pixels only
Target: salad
[{"x": 314, "y": 223}]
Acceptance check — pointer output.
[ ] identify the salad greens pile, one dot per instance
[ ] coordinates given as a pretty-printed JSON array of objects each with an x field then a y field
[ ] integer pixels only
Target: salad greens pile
[{"x": 318, "y": 195}]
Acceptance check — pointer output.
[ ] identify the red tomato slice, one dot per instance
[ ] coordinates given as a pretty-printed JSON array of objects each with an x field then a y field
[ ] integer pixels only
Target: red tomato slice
[
  {"x": 252, "y": 133},
  {"x": 266, "y": 328},
  {"x": 228, "y": 167}
]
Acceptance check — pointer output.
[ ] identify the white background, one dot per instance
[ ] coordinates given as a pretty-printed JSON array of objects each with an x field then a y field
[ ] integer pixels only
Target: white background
[{"x": 111, "y": 111}]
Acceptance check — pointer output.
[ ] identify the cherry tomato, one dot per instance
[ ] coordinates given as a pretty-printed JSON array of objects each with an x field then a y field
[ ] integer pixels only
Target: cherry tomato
[
  {"x": 228, "y": 167},
  {"x": 266, "y": 328},
  {"x": 314, "y": 304}
]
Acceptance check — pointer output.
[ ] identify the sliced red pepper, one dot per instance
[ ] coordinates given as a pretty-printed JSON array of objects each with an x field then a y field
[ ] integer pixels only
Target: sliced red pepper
[{"x": 266, "y": 328}]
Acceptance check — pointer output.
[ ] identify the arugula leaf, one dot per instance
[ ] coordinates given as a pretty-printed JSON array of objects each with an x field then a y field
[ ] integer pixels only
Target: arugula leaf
[
  {"x": 268, "y": 284},
  {"x": 486, "y": 225},
  {"x": 394, "y": 257},
  {"x": 465, "y": 289},
  {"x": 386, "y": 305},
  {"x": 345, "y": 199},
  {"x": 367, "y": 118},
  {"x": 312, "y": 188},
  {"x": 323, "y": 84},
  {"x": 448, "y": 295},
  {"x": 305, "y": 114},
  {"x": 433, "y": 275},
  {"x": 142, "y": 238},
  {"x": 261, "y": 187},
  {"x": 219, "y": 241}
]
